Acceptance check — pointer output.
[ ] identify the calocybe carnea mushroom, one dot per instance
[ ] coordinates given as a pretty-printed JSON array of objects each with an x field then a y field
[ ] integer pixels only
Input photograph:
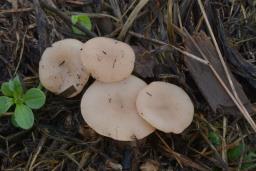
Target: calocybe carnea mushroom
[
  {"x": 61, "y": 69},
  {"x": 110, "y": 109},
  {"x": 165, "y": 106},
  {"x": 108, "y": 60}
]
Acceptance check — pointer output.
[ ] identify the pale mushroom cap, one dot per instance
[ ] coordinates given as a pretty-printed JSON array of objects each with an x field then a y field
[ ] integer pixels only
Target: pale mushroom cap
[
  {"x": 108, "y": 60},
  {"x": 60, "y": 67},
  {"x": 110, "y": 109},
  {"x": 165, "y": 106}
]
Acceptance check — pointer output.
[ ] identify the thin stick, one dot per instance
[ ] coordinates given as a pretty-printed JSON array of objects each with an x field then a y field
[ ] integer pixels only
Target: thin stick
[
  {"x": 15, "y": 10},
  {"x": 131, "y": 18},
  {"x": 67, "y": 19},
  {"x": 224, "y": 144},
  {"x": 179, "y": 157},
  {"x": 217, "y": 47},
  {"x": 38, "y": 150},
  {"x": 243, "y": 109},
  {"x": 21, "y": 52},
  {"x": 174, "y": 47},
  {"x": 239, "y": 105},
  {"x": 129, "y": 8}
]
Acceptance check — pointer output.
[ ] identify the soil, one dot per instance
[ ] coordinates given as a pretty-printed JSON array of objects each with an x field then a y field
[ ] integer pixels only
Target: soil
[{"x": 61, "y": 140}]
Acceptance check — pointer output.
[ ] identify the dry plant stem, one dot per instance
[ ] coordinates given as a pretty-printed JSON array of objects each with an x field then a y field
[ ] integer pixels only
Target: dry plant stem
[
  {"x": 131, "y": 18},
  {"x": 129, "y": 8},
  {"x": 239, "y": 105},
  {"x": 179, "y": 16},
  {"x": 224, "y": 144},
  {"x": 237, "y": 100},
  {"x": 169, "y": 148},
  {"x": 243, "y": 150},
  {"x": 83, "y": 160},
  {"x": 217, "y": 49},
  {"x": 15, "y": 10},
  {"x": 174, "y": 47},
  {"x": 170, "y": 21},
  {"x": 199, "y": 24},
  {"x": 179, "y": 157},
  {"x": 21, "y": 53},
  {"x": 116, "y": 8},
  {"x": 38, "y": 150},
  {"x": 67, "y": 19},
  {"x": 223, "y": 163}
]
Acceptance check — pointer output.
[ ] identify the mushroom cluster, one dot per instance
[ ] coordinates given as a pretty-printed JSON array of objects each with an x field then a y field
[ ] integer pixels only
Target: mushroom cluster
[{"x": 117, "y": 105}]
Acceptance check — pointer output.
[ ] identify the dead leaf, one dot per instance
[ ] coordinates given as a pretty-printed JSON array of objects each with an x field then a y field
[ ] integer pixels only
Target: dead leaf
[
  {"x": 150, "y": 165},
  {"x": 144, "y": 63},
  {"x": 208, "y": 84}
]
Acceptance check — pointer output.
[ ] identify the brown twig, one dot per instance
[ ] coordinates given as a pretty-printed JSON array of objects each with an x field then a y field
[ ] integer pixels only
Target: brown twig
[
  {"x": 174, "y": 47},
  {"x": 235, "y": 98},
  {"x": 181, "y": 159},
  {"x": 131, "y": 18},
  {"x": 15, "y": 10},
  {"x": 67, "y": 19}
]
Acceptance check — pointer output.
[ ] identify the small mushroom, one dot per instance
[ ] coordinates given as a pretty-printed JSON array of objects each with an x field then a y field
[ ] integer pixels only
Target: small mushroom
[
  {"x": 165, "y": 106},
  {"x": 61, "y": 69},
  {"x": 108, "y": 60},
  {"x": 110, "y": 109}
]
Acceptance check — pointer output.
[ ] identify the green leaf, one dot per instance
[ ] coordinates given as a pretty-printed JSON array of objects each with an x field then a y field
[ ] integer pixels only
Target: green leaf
[
  {"x": 84, "y": 20},
  {"x": 34, "y": 98},
  {"x": 236, "y": 152},
  {"x": 6, "y": 89},
  {"x": 14, "y": 123},
  {"x": 23, "y": 116},
  {"x": 249, "y": 160},
  {"x": 18, "y": 90},
  {"x": 5, "y": 103},
  {"x": 214, "y": 138},
  {"x": 16, "y": 87}
]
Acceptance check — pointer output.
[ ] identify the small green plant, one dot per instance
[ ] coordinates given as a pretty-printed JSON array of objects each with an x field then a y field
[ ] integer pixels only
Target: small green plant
[
  {"x": 84, "y": 20},
  {"x": 236, "y": 152},
  {"x": 24, "y": 102},
  {"x": 249, "y": 156},
  {"x": 214, "y": 138}
]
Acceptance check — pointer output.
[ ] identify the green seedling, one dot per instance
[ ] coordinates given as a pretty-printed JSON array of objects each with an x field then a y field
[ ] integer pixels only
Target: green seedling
[
  {"x": 249, "y": 156},
  {"x": 214, "y": 138},
  {"x": 13, "y": 94},
  {"x": 249, "y": 161},
  {"x": 84, "y": 20}
]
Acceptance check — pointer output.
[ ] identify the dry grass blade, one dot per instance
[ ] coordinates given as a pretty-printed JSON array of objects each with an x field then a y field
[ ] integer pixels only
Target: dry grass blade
[
  {"x": 67, "y": 19},
  {"x": 170, "y": 21},
  {"x": 174, "y": 47},
  {"x": 181, "y": 159},
  {"x": 15, "y": 10},
  {"x": 131, "y": 18},
  {"x": 235, "y": 97},
  {"x": 222, "y": 163},
  {"x": 21, "y": 53},
  {"x": 116, "y": 8},
  {"x": 38, "y": 150},
  {"x": 239, "y": 106}
]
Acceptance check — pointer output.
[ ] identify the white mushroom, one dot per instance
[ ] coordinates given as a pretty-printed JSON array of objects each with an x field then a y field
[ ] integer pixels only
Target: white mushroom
[
  {"x": 165, "y": 106},
  {"x": 61, "y": 69},
  {"x": 108, "y": 60},
  {"x": 110, "y": 109}
]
